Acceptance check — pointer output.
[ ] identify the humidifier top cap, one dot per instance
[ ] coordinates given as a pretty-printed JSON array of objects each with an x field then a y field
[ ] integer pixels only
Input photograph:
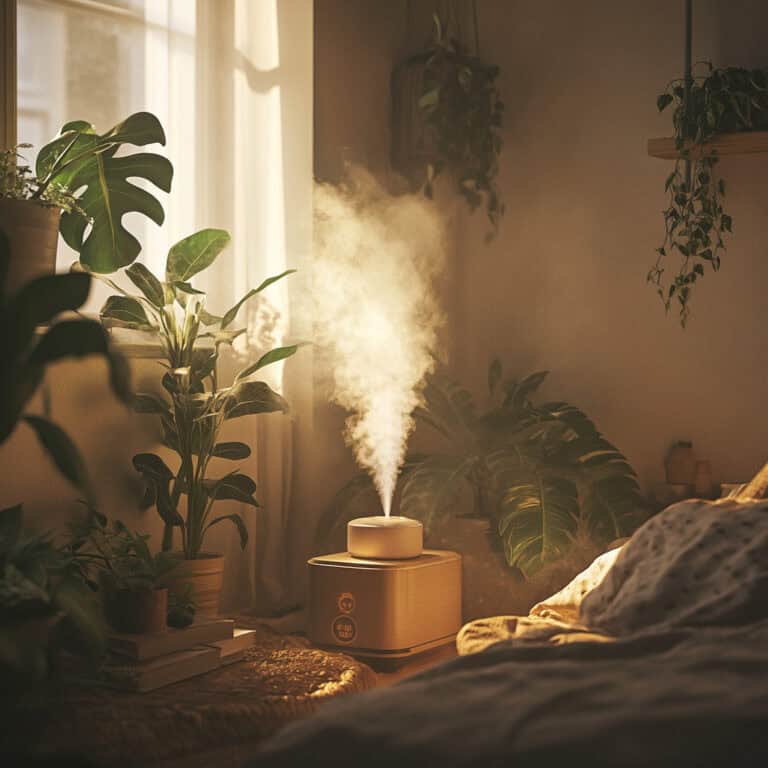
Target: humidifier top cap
[{"x": 385, "y": 538}]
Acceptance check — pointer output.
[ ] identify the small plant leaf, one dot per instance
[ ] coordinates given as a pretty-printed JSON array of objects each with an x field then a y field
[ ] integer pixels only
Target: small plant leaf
[
  {"x": 273, "y": 356},
  {"x": 250, "y": 397},
  {"x": 235, "y": 487},
  {"x": 233, "y": 451},
  {"x": 125, "y": 312},
  {"x": 231, "y": 314},
  {"x": 147, "y": 283},
  {"x": 237, "y": 520},
  {"x": 195, "y": 253}
]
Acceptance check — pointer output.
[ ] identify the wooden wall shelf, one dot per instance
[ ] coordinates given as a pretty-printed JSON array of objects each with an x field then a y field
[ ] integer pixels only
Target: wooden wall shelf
[{"x": 745, "y": 143}]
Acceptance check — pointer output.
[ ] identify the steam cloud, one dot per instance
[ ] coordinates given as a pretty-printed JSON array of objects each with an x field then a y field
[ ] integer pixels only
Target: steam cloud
[{"x": 376, "y": 313}]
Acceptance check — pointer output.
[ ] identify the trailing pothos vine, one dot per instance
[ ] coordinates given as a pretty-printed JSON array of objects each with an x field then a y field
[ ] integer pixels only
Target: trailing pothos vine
[
  {"x": 719, "y": 101},
  {"x": 464, "y": 111}
]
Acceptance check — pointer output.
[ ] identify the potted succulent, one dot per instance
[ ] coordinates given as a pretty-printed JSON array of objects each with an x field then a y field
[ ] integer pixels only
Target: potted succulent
[
  {"x": 80, "y": 187},
  {"x": 193, "y": 407}
]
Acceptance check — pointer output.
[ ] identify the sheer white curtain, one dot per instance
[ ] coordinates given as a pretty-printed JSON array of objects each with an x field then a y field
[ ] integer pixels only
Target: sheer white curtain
[{"x": 231, "y": 81}]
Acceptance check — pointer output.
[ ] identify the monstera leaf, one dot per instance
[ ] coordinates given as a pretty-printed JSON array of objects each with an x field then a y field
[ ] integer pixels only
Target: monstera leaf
[
  {"x": 87, "y": 164},
  {"x": 537, "y": 520}
]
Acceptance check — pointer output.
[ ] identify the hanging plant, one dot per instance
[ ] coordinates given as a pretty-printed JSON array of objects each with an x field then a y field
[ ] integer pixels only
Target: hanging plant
[
  {"x": 720, "y": 101},
  {"x": 447, "y": 117}
]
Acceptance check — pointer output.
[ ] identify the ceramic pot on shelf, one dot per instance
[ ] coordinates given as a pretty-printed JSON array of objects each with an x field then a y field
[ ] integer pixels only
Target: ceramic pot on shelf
[
  {"x": 205, "y": 576},
  {"x": 33, "y": 235}
]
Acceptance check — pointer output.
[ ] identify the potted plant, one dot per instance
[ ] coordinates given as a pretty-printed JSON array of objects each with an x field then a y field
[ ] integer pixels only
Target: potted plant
[
  {"x": 130, "y": 576},
  {"x": 447, "y": 115},
  {"x": 541, "y": 476},
  {"x": 194, "y": 408},
  {"x": 80, "y": 187},
  {"x": 726, "y": 100}
]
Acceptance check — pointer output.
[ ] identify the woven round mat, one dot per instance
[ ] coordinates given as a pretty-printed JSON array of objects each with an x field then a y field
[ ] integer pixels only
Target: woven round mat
[{"x": 225, "y": 713}]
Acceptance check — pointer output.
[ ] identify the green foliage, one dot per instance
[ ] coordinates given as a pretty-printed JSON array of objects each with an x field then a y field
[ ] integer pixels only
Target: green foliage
[
  {"x": 18, "y": 182},
  {"x": 541, "y": 473},
  {"x": 121, "y": 558},
  {"x": 193, "y": 409},
  {"x": 87, "y": 164},
  {"x": 464, "y": 113},
  {"x": 81, "y": 173},
  {"x": 181, "y": 608},
  {"x": 720, "y": 101},
  {"x": 26, "y": 351},
  {"x": 45, "y": 605}
]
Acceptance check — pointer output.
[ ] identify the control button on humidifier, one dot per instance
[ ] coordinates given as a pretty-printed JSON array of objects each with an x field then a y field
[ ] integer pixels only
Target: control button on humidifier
[
  {"x": 344, "y": 629},
  {"x": 346, "y": 602}
]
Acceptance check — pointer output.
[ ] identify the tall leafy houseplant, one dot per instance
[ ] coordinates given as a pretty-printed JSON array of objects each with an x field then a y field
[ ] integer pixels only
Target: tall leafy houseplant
[
  {"x": 542, "y": 474},
  {"x": 81, "y": 174},
  {"x": 719, "y": 101},
  {"x": 194, "y": 408}
]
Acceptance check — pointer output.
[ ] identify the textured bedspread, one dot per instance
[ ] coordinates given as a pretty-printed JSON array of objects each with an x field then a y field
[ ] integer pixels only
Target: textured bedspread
[
  {"x": 677, "y": 699},
  {"x": 655, "y": 656}
]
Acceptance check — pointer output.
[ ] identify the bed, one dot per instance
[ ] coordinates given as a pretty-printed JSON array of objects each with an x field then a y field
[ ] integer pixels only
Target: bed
[{"x": 656, "y": 655}]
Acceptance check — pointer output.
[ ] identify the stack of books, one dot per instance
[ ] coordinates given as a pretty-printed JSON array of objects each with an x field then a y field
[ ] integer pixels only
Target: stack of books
[{"x": 144, "y": 663}]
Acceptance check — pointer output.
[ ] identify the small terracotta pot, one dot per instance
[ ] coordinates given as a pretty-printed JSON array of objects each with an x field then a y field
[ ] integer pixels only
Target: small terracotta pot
[
  {"x": 136, "y": 611},
  {"x": 205, "y": 575},
  {"x": 33, "y": 234}
]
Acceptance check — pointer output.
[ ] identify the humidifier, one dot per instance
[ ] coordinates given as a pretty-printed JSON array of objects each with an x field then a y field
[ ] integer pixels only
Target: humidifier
[{"x": 386, "y": 596}]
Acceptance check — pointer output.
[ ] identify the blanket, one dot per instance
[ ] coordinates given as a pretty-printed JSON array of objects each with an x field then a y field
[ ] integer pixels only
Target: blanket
[
  {"x": 697, "y": 563},
  {"x": 656, "y": 655}
]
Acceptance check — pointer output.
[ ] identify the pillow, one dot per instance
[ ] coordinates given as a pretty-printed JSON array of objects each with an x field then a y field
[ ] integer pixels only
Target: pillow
[{"x": 697, "y": 563}]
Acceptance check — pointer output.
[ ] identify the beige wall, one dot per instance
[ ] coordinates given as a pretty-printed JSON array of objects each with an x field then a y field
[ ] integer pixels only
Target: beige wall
[{"x": 563, "y": 286}]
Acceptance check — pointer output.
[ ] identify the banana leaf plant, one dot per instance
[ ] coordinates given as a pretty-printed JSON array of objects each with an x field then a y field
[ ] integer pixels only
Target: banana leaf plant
[
  {"x": 85, "y": 165},
  {"x": 193, "y": 408},
  {"x": 542, "y": 474}
]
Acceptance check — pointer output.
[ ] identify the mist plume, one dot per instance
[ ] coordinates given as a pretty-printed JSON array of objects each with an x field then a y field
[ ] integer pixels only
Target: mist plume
[{"x": 377, "y": 317}]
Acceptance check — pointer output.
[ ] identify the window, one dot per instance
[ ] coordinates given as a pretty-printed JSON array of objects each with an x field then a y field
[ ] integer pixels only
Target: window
[{"x": 102, "y": 60}]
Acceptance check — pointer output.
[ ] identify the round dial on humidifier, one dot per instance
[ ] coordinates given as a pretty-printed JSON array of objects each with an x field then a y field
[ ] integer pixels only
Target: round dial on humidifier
[{"x": 385, "y": 538}]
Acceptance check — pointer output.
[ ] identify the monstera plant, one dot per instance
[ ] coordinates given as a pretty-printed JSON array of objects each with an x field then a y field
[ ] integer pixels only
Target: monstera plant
[
  {"x": 542, "y": 474},
  {"x": 193, "y": 408},
  {"x": 81, "y": 176}
]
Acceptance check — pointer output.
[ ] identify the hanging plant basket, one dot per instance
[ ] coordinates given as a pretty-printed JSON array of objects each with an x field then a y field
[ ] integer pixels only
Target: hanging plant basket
[{"x": 446, "y": 118}]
